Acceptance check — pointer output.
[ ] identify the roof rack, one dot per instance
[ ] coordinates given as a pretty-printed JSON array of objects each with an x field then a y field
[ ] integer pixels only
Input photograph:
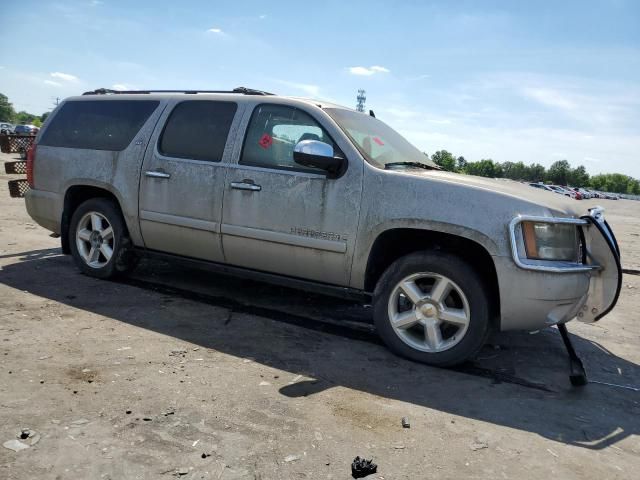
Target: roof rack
[{"x": 241, "y": 90}]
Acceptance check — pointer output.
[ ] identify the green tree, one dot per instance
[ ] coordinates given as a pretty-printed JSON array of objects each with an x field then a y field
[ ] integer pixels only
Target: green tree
[
  {"x": 633, "y": 187},
  {"x": 44, "y": 116},
  {"x": 484, "y": 168},
  {"x": 614, "y": 182},
  {"x": 25, "y": 118},
  {"x": 536, "y": 173},
  {"x": 445, "y": 160},
  {"x": 7, "y": 113},
  {"x": 578, "y": 177},
  {"x": 461, "y": 163},
  {"x": 515, "y": 171},
  {"x": 558, "y": 172}
]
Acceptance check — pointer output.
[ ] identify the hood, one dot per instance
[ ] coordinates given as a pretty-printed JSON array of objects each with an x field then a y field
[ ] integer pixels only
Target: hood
[{"x": 558, "y": 205}]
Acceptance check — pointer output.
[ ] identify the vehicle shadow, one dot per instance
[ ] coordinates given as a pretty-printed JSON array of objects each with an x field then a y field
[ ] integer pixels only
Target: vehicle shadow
[{"x": 518, "y": 381}]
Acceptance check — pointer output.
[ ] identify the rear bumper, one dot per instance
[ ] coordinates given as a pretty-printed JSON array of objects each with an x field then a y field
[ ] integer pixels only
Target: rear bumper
[
  {"x": 45, "y": 208},
  {"x": 533, "y": 299}
]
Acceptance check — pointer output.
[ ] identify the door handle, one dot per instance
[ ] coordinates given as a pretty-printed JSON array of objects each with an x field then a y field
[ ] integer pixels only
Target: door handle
[
  {"x": 157, "y": 174},
  {"x": 246, "y": 186}
]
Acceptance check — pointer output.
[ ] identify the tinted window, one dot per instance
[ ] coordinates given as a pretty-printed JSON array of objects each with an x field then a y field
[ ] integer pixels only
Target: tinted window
[
  {"x": 273, "y": 132},
  {"x": 98, "y": 124},
  {"x": 198, "y": 129}
]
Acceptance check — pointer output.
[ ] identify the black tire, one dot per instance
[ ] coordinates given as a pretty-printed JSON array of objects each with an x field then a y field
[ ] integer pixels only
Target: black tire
[
  {"x": 466, "y": 278},
  {"x": 123, "y": 259}
]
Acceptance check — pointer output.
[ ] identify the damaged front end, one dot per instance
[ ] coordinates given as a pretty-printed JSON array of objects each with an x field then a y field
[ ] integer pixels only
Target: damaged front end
[
  {"x": 602, "y": 251},
  {"x": 575, "y": 266}
]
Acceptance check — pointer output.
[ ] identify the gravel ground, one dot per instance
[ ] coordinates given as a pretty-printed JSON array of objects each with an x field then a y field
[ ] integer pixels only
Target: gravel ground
[{"x": 178, "y": 373}]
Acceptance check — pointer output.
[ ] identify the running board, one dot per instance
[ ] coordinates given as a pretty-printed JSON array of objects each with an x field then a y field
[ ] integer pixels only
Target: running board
[{"x": 259, "y": 276}]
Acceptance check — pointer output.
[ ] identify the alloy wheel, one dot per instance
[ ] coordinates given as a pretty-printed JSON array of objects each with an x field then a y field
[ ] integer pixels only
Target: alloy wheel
[
  {"x": 429, "y": 312},
  {"x": 95, "y": 239}
]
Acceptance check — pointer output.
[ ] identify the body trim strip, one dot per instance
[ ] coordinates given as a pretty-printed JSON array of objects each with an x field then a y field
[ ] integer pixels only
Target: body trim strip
[
  {"x": 180, "y": 221},
  {"x": 284, "y": 238}
]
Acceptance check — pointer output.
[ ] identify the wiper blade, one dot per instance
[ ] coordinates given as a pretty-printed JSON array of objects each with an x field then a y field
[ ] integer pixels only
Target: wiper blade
[{"x": 411, "y": 164}]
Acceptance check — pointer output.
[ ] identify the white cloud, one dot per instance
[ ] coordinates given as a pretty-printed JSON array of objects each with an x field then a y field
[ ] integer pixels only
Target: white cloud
[
  {"x": 262, "y": 17},
  {"x": 367, "y": 71},
  {"x": 549, "y": 97},
  {"x": 51, "y": 82},
  {"x": 217, "y": 31},
  {"x": 67, "y": 77},
  {"x": 95, "y": 3}
]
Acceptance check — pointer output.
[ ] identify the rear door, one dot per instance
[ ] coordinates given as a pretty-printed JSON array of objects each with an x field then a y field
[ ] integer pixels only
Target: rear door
[
  {"x": 284, "y": 218},
  {"x": 183, "y": 177}
]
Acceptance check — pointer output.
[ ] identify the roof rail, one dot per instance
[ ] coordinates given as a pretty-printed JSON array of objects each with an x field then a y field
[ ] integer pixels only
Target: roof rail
[{"x": 242, "y": 90}]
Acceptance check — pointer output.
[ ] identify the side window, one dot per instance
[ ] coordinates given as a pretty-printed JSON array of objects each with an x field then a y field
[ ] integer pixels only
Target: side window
[
  {"x": 98, "y": 124},
  {"x": 273, "y": 132},
  {"x": 197, "y": 129}
]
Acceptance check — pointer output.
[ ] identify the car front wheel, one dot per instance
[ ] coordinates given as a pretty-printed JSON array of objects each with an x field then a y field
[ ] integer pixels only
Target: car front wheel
[{"x": 432, "y": 307}]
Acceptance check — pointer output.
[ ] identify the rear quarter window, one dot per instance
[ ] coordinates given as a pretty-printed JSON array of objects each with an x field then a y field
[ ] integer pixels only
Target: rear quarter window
[{"x": 98, "y": 124}]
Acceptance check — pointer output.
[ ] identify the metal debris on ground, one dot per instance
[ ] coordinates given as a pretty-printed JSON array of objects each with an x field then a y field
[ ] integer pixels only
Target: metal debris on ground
[
  {"x": 360, "y": 467},
  {"x": 405, "y": 422},
  {"x": 25, "y": 439},
  {"x": 15, "y": 445},
  {"x": 626, "y": 387},
  {"x": 478, "y": 446}
]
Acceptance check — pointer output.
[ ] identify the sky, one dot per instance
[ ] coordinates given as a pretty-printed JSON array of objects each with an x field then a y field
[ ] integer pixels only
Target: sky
[{"x": 508, "y": 80}]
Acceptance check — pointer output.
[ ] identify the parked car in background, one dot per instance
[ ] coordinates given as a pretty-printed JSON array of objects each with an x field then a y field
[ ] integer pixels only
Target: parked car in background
[
  {"x": 585, "y": 194},
  {"x": 593, "y": 193},
  {"x": 565, "y": 191},
  {"x": 6, "y": 128},
  {"x": 26, "y": 130},
  {"x": 542, "y": 186}
]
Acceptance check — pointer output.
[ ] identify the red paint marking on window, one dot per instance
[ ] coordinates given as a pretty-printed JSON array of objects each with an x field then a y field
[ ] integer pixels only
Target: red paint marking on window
[
  {"x": 265, "y": 141},
  {"x": 378, "y": 141}
]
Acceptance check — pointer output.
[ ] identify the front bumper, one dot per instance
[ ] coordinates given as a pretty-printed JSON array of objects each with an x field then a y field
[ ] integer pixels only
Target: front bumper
[
  {"x": 606, "y": 281},
  {"x": 533, "y": 297}
]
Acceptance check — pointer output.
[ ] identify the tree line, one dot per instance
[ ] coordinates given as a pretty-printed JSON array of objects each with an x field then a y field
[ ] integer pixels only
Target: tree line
[
  {"x": 8, "y": 114},
  {"x": 559, "y": 173}
]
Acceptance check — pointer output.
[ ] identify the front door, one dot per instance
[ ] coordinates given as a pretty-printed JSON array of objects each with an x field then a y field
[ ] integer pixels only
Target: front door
[
  {"x": 182, "y": 179},
  {"x": 284, "y": 218}
]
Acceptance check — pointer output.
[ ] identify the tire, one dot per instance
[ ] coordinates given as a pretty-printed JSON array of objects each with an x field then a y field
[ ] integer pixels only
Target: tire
[
  {"x": 458, "y": 309},
  {"x": 102, "y": 213}
]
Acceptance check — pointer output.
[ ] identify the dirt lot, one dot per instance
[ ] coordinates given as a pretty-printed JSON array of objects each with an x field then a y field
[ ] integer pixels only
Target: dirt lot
[{"x": 142, "y": 378}]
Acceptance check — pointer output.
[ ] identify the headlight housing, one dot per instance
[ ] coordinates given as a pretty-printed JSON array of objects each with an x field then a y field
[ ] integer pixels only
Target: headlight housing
[{"x": 551, "y": 241}]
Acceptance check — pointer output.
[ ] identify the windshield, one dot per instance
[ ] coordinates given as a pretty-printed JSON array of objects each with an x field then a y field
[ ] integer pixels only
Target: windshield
[{"x": 377, "y": 142}]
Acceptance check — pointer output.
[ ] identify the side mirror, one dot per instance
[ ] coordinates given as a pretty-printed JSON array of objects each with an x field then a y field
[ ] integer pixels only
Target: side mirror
[{"x": 316, "y": 154}]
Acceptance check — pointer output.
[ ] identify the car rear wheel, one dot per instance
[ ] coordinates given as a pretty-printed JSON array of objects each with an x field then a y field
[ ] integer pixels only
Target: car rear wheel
[
  {"x": 432, "y": 307},
  {"x": 99, "y": 240}
]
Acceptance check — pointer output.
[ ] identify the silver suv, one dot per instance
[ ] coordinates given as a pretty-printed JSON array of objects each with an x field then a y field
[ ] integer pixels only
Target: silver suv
[{"x": 319, "y": 196}]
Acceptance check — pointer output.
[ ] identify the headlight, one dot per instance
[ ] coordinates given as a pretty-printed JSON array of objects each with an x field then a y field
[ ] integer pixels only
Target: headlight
[{"x": 551, "y": 241}]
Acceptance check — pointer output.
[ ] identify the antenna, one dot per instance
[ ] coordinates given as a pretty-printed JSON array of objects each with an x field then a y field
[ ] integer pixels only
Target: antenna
[{"x": 362, "y": 97}]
